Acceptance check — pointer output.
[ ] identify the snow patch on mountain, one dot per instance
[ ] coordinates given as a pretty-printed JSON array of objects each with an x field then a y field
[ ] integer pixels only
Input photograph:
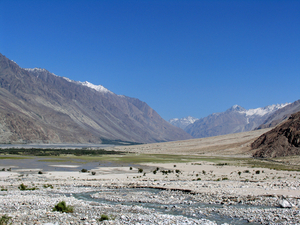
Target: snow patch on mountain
[
  {"x": 38, "y": 70},
  {"x": 183, "y": 122},
  {"x": 262, "y": 111},
  {"x": 99, "y": 88}
]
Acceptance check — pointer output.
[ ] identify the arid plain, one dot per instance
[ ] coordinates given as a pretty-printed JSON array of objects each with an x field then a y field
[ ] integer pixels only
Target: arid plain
[{"x": 217, "y": 171}]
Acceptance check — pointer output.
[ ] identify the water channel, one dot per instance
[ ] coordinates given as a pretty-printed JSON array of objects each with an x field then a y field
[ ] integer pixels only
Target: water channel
[{"x": 161, "y": 201}]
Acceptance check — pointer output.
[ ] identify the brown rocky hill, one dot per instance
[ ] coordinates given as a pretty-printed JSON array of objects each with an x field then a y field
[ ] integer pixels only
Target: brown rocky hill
[
  {"x": 37, "y": 106},
  {"x": 283, "y": 140}
]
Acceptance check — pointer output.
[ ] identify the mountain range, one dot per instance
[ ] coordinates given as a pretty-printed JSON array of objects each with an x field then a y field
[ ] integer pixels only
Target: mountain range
[
  {"x": 237, "y": 119},
  {"x": 37, "y": 106}
]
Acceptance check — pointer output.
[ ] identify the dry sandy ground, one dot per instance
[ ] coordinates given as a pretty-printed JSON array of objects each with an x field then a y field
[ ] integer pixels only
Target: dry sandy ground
[
  {"x": 232, "y": 144},
  {"x": 232, "y": 180}
]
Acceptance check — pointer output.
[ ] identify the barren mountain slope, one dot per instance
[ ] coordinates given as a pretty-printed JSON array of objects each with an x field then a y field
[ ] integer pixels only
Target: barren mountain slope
[
  {"x": 283, "y": 140},
  {"x": 38, "y": 106}
]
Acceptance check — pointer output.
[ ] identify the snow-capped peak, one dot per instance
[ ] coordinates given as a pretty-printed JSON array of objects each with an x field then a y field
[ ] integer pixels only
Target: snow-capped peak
[
  {"x": 263, "y": 111},
  {"x": 236, "y": 108},
  {"x": 183, "y": 122},
  {"x": 99, "y": 88},
  {"x": 35, "y": 69}
]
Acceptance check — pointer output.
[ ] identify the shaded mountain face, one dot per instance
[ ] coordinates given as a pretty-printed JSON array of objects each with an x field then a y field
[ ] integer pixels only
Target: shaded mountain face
[
  {"x": 235, "y": 119},
  {"x": 283, "y": 140},
  {"x": 280, "y": 115},
  {"x": 37, "y": 106}
]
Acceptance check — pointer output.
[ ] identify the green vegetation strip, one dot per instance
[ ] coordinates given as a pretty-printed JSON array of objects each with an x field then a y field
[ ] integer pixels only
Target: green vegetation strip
[
  {"x": 55, "y": 152},
  {"x": 83, "y": 156}
]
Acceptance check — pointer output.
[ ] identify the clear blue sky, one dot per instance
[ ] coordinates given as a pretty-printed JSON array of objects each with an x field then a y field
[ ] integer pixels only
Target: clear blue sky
[{"x": 181, "y": 57}]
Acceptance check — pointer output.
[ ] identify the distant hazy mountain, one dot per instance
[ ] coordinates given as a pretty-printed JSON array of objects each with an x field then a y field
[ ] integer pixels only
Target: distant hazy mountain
[
  {"x": 235, "y": 119},
  {"x": 37, "y": 106},
  {"x": 183, "y": 122}
]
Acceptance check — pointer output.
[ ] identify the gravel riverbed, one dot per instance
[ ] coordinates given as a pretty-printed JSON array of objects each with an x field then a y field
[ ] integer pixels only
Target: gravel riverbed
[
  {"x": 123, "y": 196},
  {"x": 35, "y": 206}
]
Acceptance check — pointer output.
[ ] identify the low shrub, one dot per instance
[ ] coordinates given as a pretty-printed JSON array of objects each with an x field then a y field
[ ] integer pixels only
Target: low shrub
[
  {"x": 84, "y": 170},
  {"x": 22, "y": 187},
  {"x": 140, "y": 170},
  {"x": 93, "y": 173},
  {"x": 104, "y": 217},
  {"x": 4, "y": 220},
  {"x": 48, "y": 185},
  {"x": 62, "y": 207},
  {"x": 40, "y": 172}
]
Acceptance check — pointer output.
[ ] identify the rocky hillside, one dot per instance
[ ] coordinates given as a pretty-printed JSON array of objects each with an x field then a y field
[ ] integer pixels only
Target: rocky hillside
[
  {"x": 283, "y": 140},
  {"x": 37, "y": 106}
]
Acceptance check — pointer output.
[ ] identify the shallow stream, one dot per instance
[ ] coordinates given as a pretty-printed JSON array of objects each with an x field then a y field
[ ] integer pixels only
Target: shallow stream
[{"x": 162, "y": 201}]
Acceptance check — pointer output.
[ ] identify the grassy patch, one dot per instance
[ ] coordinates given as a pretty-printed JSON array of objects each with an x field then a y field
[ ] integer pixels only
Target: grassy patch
[
  {"x": 55, "y": 152},
  {"x": 14, "y": 157}
]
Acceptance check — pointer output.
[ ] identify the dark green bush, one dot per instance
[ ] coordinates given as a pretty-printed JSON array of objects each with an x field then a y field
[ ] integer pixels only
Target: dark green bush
[
  {"x": 84, "y": 170},
  {"x": 4, "y": 220},
  {"x": 104, "y": 217},
  {"x": 48, "y": 185},
  {"x": 62, "y": 207},
  {"x": 23, "y": 187}
]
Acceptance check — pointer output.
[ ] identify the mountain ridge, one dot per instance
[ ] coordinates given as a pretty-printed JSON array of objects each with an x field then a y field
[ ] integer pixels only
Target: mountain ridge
[
  {"x": 59, "y": 111},
  {"x": 233, "y": 120}
]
